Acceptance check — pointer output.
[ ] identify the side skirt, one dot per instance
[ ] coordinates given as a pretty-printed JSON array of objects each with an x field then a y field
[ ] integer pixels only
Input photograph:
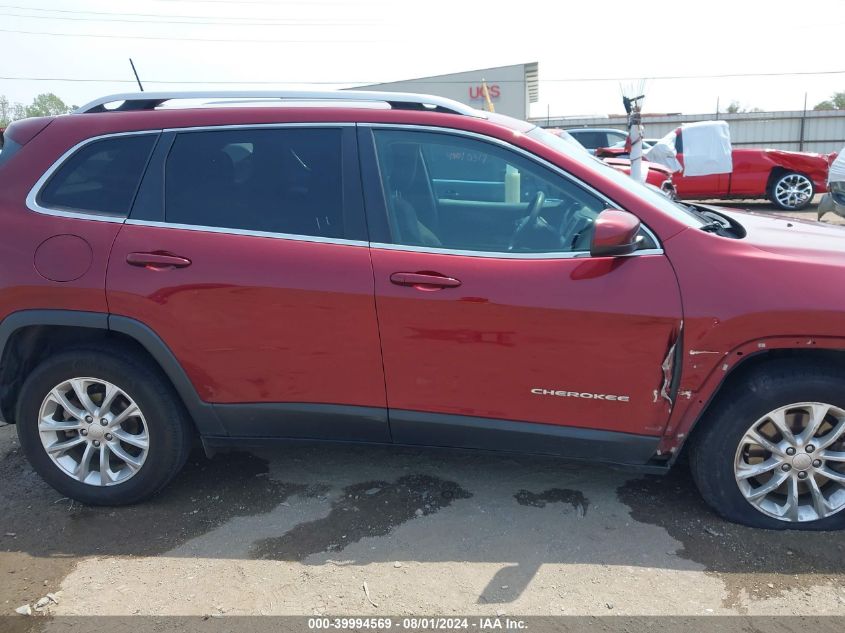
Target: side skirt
[
  {"x": 459, "y": 431},
  {"x": 257, "y": 425}
]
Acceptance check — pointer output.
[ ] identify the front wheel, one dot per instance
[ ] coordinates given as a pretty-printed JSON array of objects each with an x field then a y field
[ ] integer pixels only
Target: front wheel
[
  {"x": 101, "y": 426},
  {"x": 771, "y": 453},
  {"x": 791, "y": 191}
]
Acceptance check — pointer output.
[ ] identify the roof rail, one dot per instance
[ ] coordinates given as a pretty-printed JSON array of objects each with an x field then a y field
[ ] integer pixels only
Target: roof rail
[{"x": 135, "y": 101}]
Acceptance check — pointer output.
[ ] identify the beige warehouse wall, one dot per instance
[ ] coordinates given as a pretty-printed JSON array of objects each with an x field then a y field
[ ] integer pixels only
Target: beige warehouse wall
[{"x": 510, "y": 87}]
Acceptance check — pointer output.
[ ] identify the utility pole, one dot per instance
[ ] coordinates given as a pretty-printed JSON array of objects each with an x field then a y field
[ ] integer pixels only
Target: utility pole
[{"x": 633, "y": 106}]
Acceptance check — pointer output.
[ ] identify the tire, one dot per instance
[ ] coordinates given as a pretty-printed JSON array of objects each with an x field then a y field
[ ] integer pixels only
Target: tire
[
  {"x": 715, "y": 456},
  {"x": 791, "y": 191},
  {"x": 132, "y": 473}
]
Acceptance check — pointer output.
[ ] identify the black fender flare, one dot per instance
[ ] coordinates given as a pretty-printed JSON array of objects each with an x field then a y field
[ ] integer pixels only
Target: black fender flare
[{"x": 203, "y": 413}]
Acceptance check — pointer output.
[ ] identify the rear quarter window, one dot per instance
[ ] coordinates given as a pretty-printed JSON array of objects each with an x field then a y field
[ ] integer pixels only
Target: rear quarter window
[{"x": 101, "y": 177}]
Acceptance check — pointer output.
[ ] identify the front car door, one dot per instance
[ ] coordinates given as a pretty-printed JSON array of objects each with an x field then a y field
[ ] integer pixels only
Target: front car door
[
  {"x": 707, "y": 186},
  {"x": 246, "y": 253},
  {"x": 498, "y": 329}
]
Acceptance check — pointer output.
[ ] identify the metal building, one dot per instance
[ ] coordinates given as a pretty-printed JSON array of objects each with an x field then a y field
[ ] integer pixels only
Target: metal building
[{"x": 511, "y": 88}]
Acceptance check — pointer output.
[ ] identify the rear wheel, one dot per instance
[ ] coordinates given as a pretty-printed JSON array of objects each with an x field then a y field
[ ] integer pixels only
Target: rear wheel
[
  {"x": 103, "y": 427},
  {"x": 791, "y": 191},
  {"x": 772, "y": 454}
]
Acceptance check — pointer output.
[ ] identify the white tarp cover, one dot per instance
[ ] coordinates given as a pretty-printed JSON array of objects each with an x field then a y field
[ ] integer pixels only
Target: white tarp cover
[
  {"x": 663, "y": 153},
  {"x": 707, "y": 148},
  {"x": 837, "y": 168}
]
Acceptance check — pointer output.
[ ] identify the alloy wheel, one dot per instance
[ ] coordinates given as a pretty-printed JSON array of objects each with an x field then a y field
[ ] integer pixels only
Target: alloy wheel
[
  {"x": 93, "y": 431},
  {"x": 793, "y": 191},
  {"x": 790, "y": 464}
]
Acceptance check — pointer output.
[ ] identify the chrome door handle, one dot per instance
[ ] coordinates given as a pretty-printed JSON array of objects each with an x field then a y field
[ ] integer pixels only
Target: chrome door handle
[
  {"x": 157, "y": 260},
  {"x": 431, "y": 280}
]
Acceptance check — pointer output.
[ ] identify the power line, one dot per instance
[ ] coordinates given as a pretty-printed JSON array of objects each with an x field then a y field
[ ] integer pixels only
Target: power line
[
  {"x": 137, "y": 15},
  {"x": 223, "y": 21},
  {"x": 274, "y": 2},
  {"x": 168, "y": 81},
  {"x": 188, "y": 39},
  {"x": 308, "y": 2},
  {"x": 423, "y": 82}
]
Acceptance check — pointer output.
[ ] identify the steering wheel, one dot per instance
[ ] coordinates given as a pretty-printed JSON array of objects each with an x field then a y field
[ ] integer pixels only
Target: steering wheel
[
  {"x": 576, "y": 228},
  {"x": 529, "y": 221}
]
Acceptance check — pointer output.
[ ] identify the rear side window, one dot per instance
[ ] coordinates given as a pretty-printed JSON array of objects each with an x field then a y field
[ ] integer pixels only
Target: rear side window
[
  {"x": 590, "y": 139},
  {"x": 273, "y": 180},
  {"x": 102, "y": 177}
]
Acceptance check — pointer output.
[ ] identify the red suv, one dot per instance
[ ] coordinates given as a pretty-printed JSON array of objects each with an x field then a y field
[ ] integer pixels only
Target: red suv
[{"x": 392, "y": 268}]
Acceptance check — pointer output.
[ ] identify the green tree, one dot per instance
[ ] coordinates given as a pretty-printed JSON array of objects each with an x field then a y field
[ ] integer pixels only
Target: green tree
[
  {"x": 836, "y": 102},
  {"x": 47, "y": 104},
  {"x": 736, "y": 106},
  {"x": 5, "y": 111}
]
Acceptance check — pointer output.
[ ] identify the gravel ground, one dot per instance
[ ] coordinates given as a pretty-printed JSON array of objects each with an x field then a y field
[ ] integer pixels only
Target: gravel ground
[
  {"x": 300, "y": 530},
  {"x": 379, "y": 531}
]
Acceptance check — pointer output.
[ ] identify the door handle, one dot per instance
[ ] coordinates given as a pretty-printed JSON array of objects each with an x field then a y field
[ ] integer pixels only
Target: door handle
[
  {"x": 424, "y": 281},
  {"x": 157, "y": 261}
]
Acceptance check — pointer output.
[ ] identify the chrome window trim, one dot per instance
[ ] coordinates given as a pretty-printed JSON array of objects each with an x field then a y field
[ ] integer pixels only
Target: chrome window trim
[
  {"x": 32, "y": 197},
  {"x": 229, "y": 231},
  {"x": 260, "y": 126},
  {"x": 504, "y": 254},
  {"x": 532, "y": 157},
  {"x": 32, "y": 204}
]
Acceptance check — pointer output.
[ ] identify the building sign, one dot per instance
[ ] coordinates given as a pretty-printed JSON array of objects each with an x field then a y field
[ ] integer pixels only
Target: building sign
[{"x": 476, "y": 93}]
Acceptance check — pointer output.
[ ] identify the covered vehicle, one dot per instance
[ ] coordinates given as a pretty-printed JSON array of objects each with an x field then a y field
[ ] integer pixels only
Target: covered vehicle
[{"x": 788, "y": 179}]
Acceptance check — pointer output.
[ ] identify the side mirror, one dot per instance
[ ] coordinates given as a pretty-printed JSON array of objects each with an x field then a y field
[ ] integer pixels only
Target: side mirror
[{"x": 615, "y": 233}]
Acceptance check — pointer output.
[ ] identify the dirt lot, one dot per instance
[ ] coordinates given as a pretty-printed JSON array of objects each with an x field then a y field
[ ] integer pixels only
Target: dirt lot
[{"x": 363, "y": 530}]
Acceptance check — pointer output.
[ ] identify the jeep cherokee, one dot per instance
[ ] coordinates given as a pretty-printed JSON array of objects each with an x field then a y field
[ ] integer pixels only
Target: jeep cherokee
[{"x": 394, "y": 268}]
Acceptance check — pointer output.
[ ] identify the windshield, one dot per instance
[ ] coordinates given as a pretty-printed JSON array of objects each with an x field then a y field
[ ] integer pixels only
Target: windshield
[{"x": 653, "y": 197}]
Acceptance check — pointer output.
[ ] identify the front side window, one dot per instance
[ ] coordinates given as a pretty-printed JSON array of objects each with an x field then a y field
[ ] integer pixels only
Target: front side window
[
  {"x": 102, "y": 177},
  {"x": 273, "y": 180},
  {"x": 458, "y": 193},
  {"x": 616, "y": 137}
]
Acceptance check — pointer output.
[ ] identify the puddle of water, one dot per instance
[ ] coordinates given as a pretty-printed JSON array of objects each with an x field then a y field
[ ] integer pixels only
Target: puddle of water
[
  {"x": 575, "y": 498},
  {"x": 366, "y": 509}
]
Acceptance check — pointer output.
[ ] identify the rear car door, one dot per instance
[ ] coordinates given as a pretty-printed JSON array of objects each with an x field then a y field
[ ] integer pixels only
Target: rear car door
[
  {"x": 246, "y": 253},
  {"x": 498, "y": 336}
]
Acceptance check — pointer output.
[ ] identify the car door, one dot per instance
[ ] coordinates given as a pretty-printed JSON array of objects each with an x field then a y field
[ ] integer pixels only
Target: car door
[
  {"x": 495, "y": 335},
  {"x": 709, "y": 186},
  {"x": 246, "y": 254}
]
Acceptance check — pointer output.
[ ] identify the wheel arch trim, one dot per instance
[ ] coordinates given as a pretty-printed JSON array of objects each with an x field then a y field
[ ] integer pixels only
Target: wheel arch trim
[
  {"x": 692, "y": 404},
  {"x": 202, "y": 413}
]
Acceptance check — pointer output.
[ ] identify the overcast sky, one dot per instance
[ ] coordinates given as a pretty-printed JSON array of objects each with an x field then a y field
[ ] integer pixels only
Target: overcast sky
[{"x": 338, "y": 43}]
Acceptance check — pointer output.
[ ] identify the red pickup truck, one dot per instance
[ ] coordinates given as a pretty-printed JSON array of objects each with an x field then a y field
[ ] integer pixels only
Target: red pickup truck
[{"x": 788, "y": 179}]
